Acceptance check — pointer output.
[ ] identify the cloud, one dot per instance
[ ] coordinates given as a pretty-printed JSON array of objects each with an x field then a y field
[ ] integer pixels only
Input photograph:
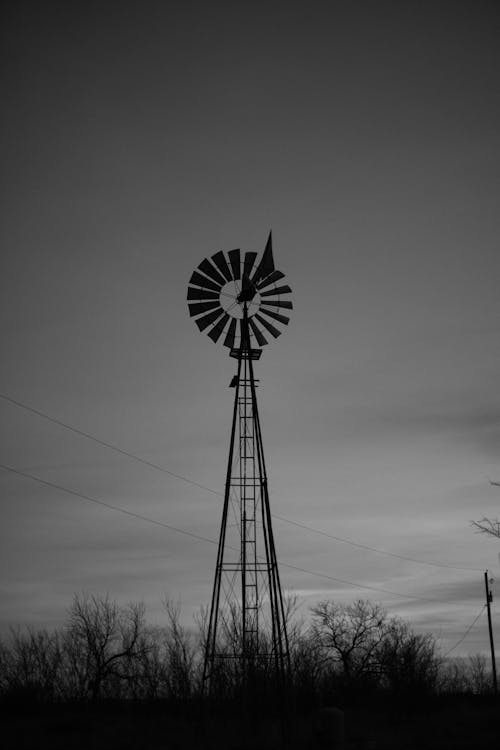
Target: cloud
[{"x": 474, "y": 427}]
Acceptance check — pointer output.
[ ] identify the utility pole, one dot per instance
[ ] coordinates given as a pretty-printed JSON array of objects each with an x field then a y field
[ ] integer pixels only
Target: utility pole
[{"x": 489, "y": 599}]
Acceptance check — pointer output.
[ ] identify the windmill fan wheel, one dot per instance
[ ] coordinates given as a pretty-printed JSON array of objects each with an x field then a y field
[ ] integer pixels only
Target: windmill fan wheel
[{"x": 224, "y": 285}]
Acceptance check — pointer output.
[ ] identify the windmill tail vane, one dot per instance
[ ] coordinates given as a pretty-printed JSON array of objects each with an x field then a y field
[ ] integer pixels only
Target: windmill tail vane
[{"x": 241, "y": 297}]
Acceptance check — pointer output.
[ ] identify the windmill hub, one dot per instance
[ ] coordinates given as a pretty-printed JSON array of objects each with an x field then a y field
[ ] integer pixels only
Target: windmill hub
[
  {"x": 232, "y": 304},
  {"x": 247, "y": 295}
]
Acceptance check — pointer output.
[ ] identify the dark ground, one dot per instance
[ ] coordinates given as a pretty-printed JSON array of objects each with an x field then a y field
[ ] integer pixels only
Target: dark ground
[{"x": 461, "y": 724}]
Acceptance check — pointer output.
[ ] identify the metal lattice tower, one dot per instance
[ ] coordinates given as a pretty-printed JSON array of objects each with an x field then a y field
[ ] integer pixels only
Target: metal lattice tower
[{"x": 247, "y": 625}]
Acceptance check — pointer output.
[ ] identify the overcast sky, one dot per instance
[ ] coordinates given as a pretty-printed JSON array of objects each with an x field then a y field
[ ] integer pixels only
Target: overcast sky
[{"x": 139, "y": 138}]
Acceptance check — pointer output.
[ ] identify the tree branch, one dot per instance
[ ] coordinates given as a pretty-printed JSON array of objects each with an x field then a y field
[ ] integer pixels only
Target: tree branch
[{"x": 489, "y": 526}]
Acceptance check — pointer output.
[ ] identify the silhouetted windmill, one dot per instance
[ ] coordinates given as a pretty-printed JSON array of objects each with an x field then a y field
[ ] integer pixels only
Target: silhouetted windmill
[{"x": 243, "y": 297}]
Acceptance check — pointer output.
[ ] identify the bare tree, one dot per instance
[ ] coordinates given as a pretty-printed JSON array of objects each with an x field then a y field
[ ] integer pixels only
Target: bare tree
[
  {"x": 478, "y": 674},
  {"x": 465, "y": 675},
  {"x": 180, "y": 655},
  {"x": 31, "y": 665},
  {"x": 103, "y": 642},
  {"x": 368, "y": 649},
  {"x": 488, "y": 526},
  {"x": 409, "y": 663},
  {"x": 350, "y": 635},
  {"x": 150, "y": 666}
]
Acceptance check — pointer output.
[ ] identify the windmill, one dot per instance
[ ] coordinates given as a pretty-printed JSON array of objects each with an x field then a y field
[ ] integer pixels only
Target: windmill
[{"x": 242, "y": 297}]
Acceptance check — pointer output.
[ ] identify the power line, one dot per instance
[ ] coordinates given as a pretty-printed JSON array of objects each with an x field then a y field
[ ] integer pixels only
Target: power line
[
  {"x": 90, "y": 499},
  {"x": 152, "y": 465},
  {"x": 199, "y": 537},
  {"x": 372, "y": 549},
  {"x": 104, "y": 443},
  {"x": 361, "y": 586},
  {"x": 466, "y": 632}
]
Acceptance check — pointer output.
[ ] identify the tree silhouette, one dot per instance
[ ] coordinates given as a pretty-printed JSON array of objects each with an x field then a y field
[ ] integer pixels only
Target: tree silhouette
[
  {"x": 489, "y": 526},
  {"x": 104, "y": 642}
]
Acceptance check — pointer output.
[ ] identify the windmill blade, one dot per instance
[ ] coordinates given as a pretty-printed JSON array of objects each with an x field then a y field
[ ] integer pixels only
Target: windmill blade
[
  {"x": 277, "y": 303},
  {"x": 199, "y": 280},
  {"x": 266, "y": 265},
  {"x": 205, "y": 321},
  {"x": 257, "y": 333},
  {"x": 231, "y": 334},
  {"x": 216, "y": 331},
  {"x": 202, "y": 307},
  {"x": 274, "y": 276},
  {"x": 195, "y": 293},
  {"x": 212, "y": 272},
  {"x": 281, "y": 318},
  {"x": 249, "y": 261},
  {"x": 276, "y": 290},
  {"x": 272, "y": 330},
  {"x": 234, "y": 259},
  {"x": 220, "y": 261}
]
